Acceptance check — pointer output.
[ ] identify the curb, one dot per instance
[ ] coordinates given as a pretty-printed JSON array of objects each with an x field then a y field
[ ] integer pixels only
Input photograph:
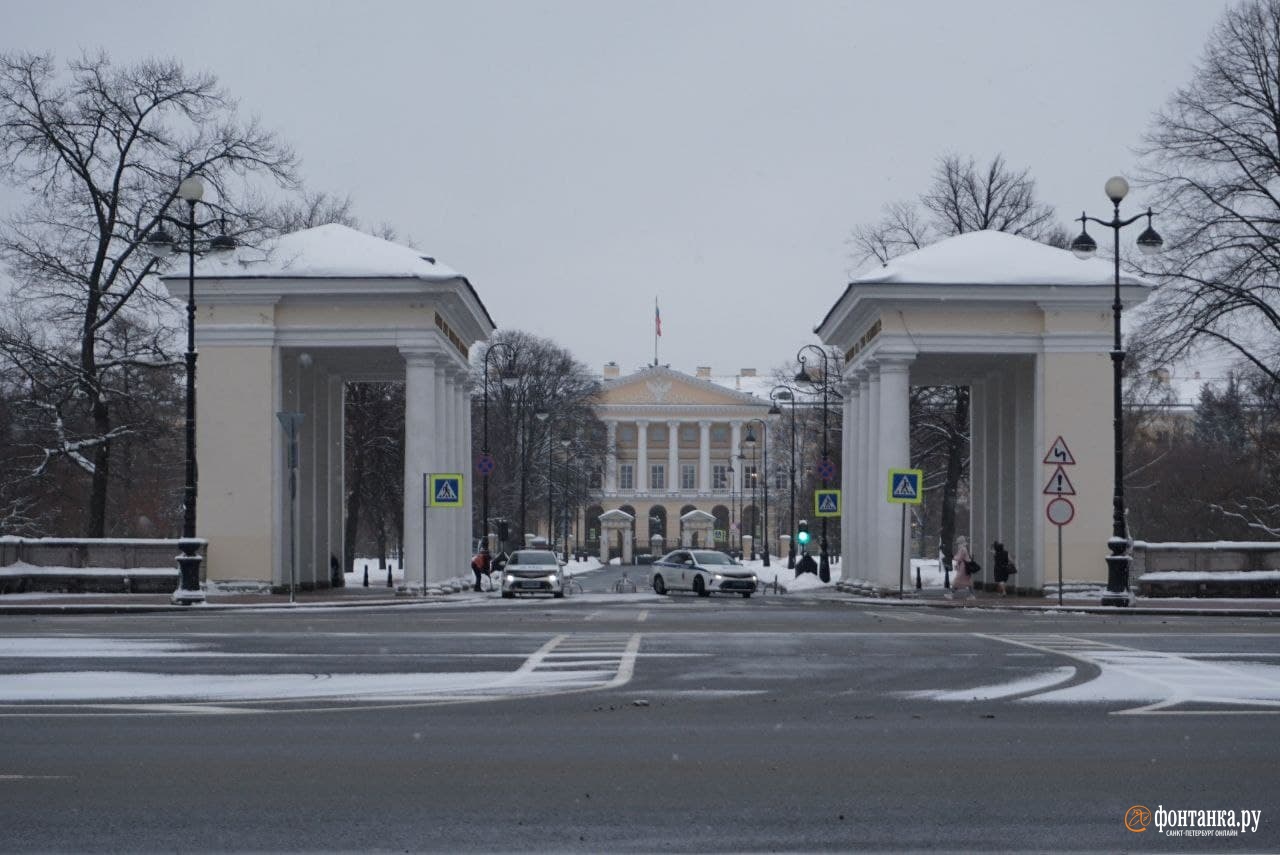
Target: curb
[{"x": 1083, "y": 608}]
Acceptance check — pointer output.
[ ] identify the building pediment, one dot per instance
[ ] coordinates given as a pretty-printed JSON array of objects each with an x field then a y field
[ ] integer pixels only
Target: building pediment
[{"x": 661, "y": 386}]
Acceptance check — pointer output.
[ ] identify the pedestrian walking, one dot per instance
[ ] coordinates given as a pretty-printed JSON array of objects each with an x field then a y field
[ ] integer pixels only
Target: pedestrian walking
[
  {"x": 1003, "y": 566},
  {"x": 480, "y": 565},
  {"x": 962, "y": 566}
]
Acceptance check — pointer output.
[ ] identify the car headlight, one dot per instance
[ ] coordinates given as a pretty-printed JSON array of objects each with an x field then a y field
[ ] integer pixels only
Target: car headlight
[
  {"x": 551, "y": 578},
  {"x": 717, "y": 577},
  {"x": 510, "y": 577}
]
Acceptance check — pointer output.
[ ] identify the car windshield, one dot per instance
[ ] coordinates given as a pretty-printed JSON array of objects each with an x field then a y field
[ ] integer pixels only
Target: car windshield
[
  {"x": 707, "y": 558},
  {"x": 533, "y": 558}
]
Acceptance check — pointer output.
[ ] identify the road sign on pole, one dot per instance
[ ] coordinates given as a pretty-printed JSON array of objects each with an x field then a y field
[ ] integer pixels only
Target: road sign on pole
[
  {"x": 1060, "y": 511},
  {"x": 826, "y": 503},
  {"x": 446, "y": 490},
  {"x": 485, "y": 464},
  {"x": 1059, "y": 453},
  {"x": 906, "y": 486},
  {"x": 1059, "y": 484}
]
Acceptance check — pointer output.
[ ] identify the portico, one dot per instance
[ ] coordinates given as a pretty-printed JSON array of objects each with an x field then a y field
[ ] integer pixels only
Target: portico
[
  {"x": 1027, "y": 327},
  {"x": 285, "y": 328}
]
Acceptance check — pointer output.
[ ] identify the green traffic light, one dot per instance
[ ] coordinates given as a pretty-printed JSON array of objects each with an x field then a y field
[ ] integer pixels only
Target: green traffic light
[{"x": 803, "y": 537}]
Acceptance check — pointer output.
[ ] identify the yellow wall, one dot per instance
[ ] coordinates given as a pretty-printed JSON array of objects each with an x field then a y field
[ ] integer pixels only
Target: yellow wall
[
  {"x": 235, "y": 506},
  {"x": 1077, "y": 389}
]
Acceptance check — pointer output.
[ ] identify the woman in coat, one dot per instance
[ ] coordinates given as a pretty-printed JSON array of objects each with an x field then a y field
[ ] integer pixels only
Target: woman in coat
[
  {"x": 1003, "y": 567},
  {"x": 960, "y": 566}
]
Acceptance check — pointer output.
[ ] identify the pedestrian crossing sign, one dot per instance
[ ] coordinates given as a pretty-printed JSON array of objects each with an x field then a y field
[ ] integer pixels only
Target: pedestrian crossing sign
[
  {"x": 906, "y": 486},
  {"x": 826, "y": 503},
  {"x": 446, "y": 491}
]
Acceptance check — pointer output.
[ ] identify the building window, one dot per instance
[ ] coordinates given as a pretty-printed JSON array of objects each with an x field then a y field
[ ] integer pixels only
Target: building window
[
  {"x": 657, "y": 476},
  {"x": 595, "y": 479},
  {"x": 688, "y": 476},
  {"x": 626, "y": 476},
  {"x": 719, "y": 477}
]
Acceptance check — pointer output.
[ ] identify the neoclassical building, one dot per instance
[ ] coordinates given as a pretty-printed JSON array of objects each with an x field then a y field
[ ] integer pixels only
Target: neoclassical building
[{"x": 676, "y": 445}]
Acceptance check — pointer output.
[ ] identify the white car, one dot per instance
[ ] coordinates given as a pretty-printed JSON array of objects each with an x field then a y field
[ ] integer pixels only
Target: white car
[
  {"x": 533, "y": 571},
  {"x": 703, "y": 571}
]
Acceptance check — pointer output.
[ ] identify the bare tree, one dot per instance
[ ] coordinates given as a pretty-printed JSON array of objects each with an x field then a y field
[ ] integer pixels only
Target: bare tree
[
  {"x": 962, "y": 197},
  {"x": 1212, "y": 160},
  {"x": 100, "y": 155}
]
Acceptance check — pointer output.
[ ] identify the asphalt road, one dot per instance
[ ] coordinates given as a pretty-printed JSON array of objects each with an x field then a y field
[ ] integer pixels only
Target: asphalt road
[{"x": 608, "y": 722}]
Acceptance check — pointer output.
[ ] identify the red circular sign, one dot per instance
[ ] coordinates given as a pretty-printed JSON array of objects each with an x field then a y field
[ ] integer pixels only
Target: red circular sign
[
  {"x": 1060, "y": 511},
  {"x": 485, "y": 464}
]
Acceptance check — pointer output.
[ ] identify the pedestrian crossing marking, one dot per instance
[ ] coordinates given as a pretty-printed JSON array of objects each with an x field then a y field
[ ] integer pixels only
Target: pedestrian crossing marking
[
  {"x": 904, "y": 486},
  {"x": 826, "y": 503},
  {"x": 446, "y": 490}
]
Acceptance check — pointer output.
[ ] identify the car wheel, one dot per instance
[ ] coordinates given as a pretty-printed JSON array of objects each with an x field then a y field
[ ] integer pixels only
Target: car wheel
[
  {"x": 659, "y": 586},
  {"x": 559, "y": 595},
  {"x": 508, "y": 595},
  {"x": 700, "y": 587},
  {"x": 746, "y": 595}
]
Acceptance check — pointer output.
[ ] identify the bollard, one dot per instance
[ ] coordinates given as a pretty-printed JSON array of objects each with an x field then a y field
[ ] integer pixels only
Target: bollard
[{"x": 366, "y": 575}]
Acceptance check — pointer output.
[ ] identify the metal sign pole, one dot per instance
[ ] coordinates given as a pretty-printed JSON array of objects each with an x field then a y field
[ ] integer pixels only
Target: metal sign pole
[
  {"x": 902, "y": 550},
  {"x": 1059, "y": 565},
  {"x": 426, "y": 503}
]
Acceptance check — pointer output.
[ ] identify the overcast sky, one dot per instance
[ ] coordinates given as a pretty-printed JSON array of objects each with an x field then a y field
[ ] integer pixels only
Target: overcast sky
[{"x": 578, "y": 159}]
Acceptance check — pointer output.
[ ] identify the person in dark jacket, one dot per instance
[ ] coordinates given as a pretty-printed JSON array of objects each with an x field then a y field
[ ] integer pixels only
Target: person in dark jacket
[
  {"x": 806, "y": 564},
  {"x": 1003, "y": 566}
]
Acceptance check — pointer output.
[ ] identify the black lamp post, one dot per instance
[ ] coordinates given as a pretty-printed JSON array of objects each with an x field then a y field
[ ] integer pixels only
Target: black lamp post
[
  {"x": 545, "y": 417},
  {"x": 732, "y": 517},
  {"x": 509, "y": 380},
  {"x": 160, "y": 243},
  {"x": 802, "y": 376},
  {"x": 568, "y": 473},
  {"x": 784, "y": 393},
  {"x": 750, "y": 441},
  {"x": 1117, "y": 593}
]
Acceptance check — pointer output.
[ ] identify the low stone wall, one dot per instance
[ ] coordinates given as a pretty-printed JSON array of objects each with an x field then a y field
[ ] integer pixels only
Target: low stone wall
[
  {"x": 1206, "y": 569},
  {"x": 88, "y": 565}
]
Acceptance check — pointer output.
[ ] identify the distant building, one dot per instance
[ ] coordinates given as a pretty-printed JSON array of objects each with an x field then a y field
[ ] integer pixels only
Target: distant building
[{"x": 676, "y": 445}]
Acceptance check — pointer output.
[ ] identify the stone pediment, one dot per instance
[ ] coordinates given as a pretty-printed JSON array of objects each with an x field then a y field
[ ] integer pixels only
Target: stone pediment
[
  {"x": 697, "y": 516},
  {"x": 661, "y": 386}
]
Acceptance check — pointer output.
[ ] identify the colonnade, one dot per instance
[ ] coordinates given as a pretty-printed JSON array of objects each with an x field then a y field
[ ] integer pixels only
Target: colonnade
[{"x": 673, "y": 455}]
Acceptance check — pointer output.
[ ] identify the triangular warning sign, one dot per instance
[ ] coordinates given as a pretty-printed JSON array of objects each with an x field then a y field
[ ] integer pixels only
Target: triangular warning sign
[
  {"x": 1059, "y": 453},
  {"x": 905, "y": 487},
  {"x": 827, "y": 504},
  {"x": 1059, "y": 484},
  {"x": 445, "y": 492}
]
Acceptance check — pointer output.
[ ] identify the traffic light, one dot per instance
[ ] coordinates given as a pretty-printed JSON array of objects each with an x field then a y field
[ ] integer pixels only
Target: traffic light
[{"x": 802, "y": 533}]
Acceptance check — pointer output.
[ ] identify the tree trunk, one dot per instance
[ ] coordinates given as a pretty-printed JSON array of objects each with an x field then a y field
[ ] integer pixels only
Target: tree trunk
[{"x": 353, "y": 507}]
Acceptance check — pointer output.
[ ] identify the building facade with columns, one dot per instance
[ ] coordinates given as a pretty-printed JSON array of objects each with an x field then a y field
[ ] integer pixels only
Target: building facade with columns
[
  {"x": 676, "y": 445},
  {"x": 282, "y": 329}
]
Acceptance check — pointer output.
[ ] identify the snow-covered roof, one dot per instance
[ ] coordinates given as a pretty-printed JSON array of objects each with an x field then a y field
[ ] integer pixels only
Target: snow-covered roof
[
  {"x": 328, "y": 251},
  {"x": 995, "y": 258}
]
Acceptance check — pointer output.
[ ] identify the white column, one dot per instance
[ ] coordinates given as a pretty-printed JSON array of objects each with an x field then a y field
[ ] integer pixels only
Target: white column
[
  {"x": 306, "y": 473},
  {"x": 419, "y": 423},
  {"x": 861, "y": 493},
  {"x": 441, "y": 521},
  {"x": 673, "y": 463},
  {"x": 337, "y": 392},
  {"x": 895, "y": 453},
  {"x": 642, "y": 458},
  {"x": 465, "y": 466},
  {"x": 704, "y": 457},
  {"x": 979, "y": 462},
  {"x": 875, "y": 477},
  {"x": 320, "y": 522},
  {"x": 849, "y": 462},
  {"x": 611, "y": 457}
]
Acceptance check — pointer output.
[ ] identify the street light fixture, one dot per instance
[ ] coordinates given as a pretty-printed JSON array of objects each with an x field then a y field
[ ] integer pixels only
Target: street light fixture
[
  {"x": 750, "y": 442},
  {"x": 802, "y": 376},
  {"x": 161, "y": 244},
  {"x": 1084, "y": 247},
  {"x": 509, "y": 381},
  {"x": 785, "y": 393}
]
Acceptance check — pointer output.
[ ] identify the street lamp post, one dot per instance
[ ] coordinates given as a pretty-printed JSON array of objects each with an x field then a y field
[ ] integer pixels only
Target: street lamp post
[
  {"x": 732, "y": 518},
  {"x": 784, "y": 393},
  {"x": 1149, "y": 242},
  {"x": 545, "y": 417},
  {"x": 802, "y": 376},
  {"x": 509, "y": 380},
  {"x": 565, "y": 443},
  {"x": 191, "y": 191},
  {"x": 750, "y": 441}
]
